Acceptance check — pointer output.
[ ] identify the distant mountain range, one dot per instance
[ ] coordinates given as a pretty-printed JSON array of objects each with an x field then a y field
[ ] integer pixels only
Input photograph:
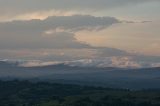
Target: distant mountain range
[{"x": 109, "y": 77}]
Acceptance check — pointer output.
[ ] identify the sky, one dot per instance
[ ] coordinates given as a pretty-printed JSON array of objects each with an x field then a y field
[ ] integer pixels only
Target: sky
[{"x": 103, "y": 33}]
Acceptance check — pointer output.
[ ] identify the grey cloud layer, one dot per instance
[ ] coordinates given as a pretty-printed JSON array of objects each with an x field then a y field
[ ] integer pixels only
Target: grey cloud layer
[
  {"x": 31, "y": 34},
  {"x": 34, "y": 5},
  {"x": 58, "y": 32}
]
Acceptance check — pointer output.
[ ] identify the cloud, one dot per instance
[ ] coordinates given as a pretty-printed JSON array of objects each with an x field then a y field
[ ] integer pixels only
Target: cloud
[
  {"x": 54, "y": 39},
  {"x": 106, "y": 52},
  {"x": 124, "y": 62},
  {"x": 119, "y": 62},
  {"x": 34, "y": 5},
  {"x": 81, "y": 22},
  {"x": 82, "y": 58},
  {"x": 35, "y": 15},
  {"x": 42, "y": 38},
  {"x": 36, "y": 63},
  {"x": 115, "y": 61},
  {"x": 33, "y": 9},
  {"x": 53, "y": 32}
]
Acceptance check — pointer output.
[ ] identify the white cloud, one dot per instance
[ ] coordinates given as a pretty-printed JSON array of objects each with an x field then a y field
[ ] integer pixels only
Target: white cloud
[
  {"x": 117, "y": 62},
  {"x": 37, "y": 63},
  {"x": 124, "y": 62}
]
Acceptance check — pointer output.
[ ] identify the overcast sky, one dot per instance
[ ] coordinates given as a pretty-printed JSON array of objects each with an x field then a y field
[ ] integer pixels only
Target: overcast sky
[{"x": 123, "y": 31}]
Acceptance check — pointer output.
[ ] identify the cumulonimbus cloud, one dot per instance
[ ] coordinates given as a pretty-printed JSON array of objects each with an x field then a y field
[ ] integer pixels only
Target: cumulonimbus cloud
[
  {"x": 56, "y": 32},
  {"x": 33, "y": 33}
]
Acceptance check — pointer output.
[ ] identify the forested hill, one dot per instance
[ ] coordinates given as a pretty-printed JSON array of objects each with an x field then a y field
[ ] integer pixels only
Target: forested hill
[
  {"x": 25, "y": 93},
  {"x": 148, "y": 78}
]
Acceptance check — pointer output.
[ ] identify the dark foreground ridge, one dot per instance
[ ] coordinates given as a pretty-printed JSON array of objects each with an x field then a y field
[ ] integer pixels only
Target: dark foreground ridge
[{"x": 25, "y": 93}]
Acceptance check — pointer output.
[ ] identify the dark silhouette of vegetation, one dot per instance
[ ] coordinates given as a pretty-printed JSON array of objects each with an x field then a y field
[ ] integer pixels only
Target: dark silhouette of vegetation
[{"x": 25, "y": 93}]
